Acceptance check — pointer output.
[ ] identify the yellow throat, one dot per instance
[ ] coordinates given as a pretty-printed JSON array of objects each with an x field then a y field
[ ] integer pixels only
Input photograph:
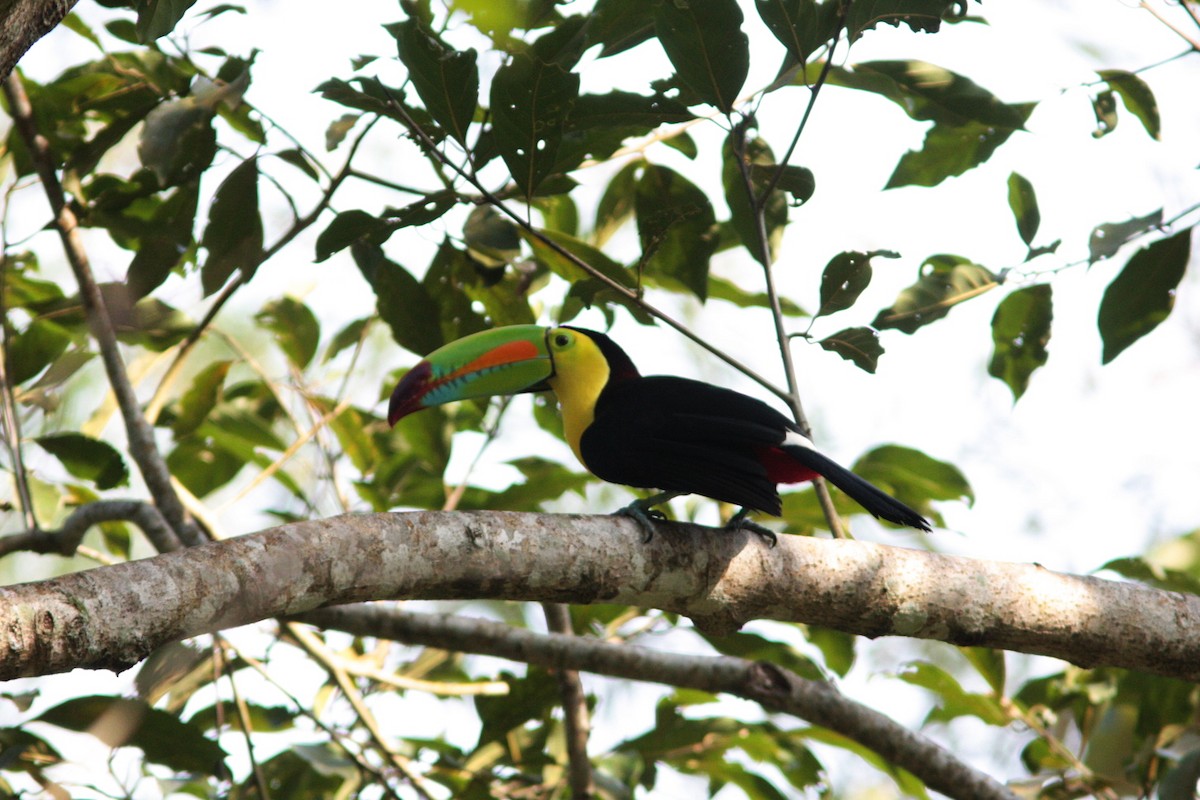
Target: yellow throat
[{"x": 580, "y": 373}]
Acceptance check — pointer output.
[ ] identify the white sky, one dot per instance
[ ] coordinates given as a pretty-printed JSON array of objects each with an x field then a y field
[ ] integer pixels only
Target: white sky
[{"x": 1092, "y": 464}]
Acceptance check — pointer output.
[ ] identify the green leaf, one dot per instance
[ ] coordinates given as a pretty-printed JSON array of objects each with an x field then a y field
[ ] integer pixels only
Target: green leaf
[
  {"x": 1023, "y": 202},
  {"x": 1107, "y": 239},
  {"x": 1020, "y": 332},
  {"x": 721, "y": 289},
  {"x": 796, "y": 181},
  {"x": 122, "y": 722},
  {"x": 989, "y": 663},
  {"x": 401, "y": 300},
  {"x": 302, "y": 771},
  {"x": 532, "y": 697},
  {"x": 201, "y": 397},
  {"x": 800, "y": 25},
  {"x": 946, "y": 281},
  {"x": 446, "y": 80},
  {"x": 837, "y": 647},
  {"x": 859, "y": 345},
  {"x": 954, "y": 700},
  {"x": 178, "y": 141},
  {"x": 950, "y": 150},
  {"x": 234, "y": 233},
  {"x": 349, "y": 336},
  {"x": 677, "y": 228},
  {"x": 1180, "y": 781},
  {"x": 845, "y": 277},
  {"x": 1137, "y": 97},
  {"x": 969, "y": 121},
  {"x": 531, "y": 98},
  {"x": 706, "y": 45},
  {"x": 295, "y": 328},
  {"x": 87, "y": 458},
  {"x": 491, "y": 239},
  {"x": 616, "y": 203},
  {"x": 919, "y": 15},
  {"x": 913, "y": 477},
  {"x": 742, "y": 211},
  {"x": 157, "y": 18},
  {"x": 618, "y": 25},
  {"x": 1143, "y": 294},
  {"x": 347, "y": 228},
  {"x": 1104, "y": 106},
  {"x": 34, "y": 349},
  {"x": 753, "y": 647}
]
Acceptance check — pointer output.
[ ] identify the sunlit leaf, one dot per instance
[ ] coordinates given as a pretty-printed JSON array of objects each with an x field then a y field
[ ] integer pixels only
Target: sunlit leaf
[
  {"x": 755, "y": 647},
  {"x": 201, "y": 397},
  {"x": 1020, "y": 333},
  {"x": 1137, "y": 96},
  {"x": 946, "y": 281},
  {"x": 1023, "y": 202},
  {"x": 954, "y": 701},
  {"x": 721, "y": 289},
  {"x": 1143, "y": 294},
  {"x": 913, "y": 477},
  {"x": 1107, "y": 239},
  {"x": 34, "y": 349},
  {"x": 87, "y": 458}
]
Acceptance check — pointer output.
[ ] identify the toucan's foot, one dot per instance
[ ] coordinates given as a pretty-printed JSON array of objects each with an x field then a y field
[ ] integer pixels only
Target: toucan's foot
[
  {"x": 645, "y": 514},
  {"x": 741, "y": 522}
]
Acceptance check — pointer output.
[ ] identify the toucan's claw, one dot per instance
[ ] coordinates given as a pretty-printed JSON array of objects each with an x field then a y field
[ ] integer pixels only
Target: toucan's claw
[
  {"x": 741, "y": 522},
  {"x": 644, "y": 511},
  {"x": 646, "y": 517}
]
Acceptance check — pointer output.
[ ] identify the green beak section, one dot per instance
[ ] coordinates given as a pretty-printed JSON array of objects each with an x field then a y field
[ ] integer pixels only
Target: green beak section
[{"x": 507, "y": 360}]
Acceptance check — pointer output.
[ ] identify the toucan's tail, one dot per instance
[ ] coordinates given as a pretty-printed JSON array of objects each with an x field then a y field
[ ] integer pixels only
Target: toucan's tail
[{"x": 879, "y": 503}]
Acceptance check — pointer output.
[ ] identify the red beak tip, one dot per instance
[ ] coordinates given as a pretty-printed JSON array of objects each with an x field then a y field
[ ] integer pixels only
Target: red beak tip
[{"x": 406, "y": 397}]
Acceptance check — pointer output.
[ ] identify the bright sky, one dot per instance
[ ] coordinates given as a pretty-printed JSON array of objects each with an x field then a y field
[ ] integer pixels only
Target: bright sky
[{"x": 1093, "y": 463}]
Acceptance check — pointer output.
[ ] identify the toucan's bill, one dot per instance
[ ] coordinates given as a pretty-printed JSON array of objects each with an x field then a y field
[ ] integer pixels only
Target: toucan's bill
[{"x": 500, "y": 361}]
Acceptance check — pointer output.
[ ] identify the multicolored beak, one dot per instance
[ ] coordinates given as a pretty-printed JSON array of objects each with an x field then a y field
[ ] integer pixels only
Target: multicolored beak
[{"x": 507, "y": 360}]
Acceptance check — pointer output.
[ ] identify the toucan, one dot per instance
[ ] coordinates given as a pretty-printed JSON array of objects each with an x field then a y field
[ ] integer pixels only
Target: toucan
[{"x": 677, "y": 435}]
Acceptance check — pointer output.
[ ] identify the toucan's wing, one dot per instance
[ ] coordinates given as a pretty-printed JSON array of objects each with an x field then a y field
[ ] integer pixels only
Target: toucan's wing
[{"x": 682, "y": 435}]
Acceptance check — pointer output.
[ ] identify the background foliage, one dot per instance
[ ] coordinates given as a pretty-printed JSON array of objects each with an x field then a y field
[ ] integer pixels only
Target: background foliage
[{"x": 530, "y": 191}]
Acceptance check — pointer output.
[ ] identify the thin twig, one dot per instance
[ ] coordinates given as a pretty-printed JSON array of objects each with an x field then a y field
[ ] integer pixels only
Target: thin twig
[
  {"x": 1180, "y": 32},
  {"x": 243, "y": 713},
  {"x": 776, "y": 689},
  {"x": 758, "y": 209},
  {"x": 142, "y": 445},
  {"x": 630, "y": 295},
  {"x": 575, "y": 710},
  {"x": 316, "y": 648}
]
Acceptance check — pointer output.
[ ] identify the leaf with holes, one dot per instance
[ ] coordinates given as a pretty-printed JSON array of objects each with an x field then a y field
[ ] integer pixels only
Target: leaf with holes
[
  {"x": 1020, "y": 332},
  {"x": 946, "y": 281},
  {"x": 707, "y": 47},
  {"x": 844, "y": 279},
  {"x": 858, "y": 345},
  {"x": 446, "y": 80}
]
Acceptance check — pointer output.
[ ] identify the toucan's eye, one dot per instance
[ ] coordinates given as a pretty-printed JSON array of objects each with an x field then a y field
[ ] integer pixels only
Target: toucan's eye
[{"x": 561, "y": 340}]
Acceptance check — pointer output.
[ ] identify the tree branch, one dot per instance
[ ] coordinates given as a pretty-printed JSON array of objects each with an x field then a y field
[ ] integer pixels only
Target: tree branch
[
  {"x": 110, "y": 617},
  {"x": 575, "y": 710},
  {"x": 774, "y": 688},
  {"x": 22, "y": 23},
  {"x": 142, "y": 445},
  {"x": 66, "y": 539}
]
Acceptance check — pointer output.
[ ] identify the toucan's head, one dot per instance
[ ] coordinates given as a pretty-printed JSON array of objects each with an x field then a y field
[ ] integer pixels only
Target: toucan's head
[{"x": 508, "y": 360}]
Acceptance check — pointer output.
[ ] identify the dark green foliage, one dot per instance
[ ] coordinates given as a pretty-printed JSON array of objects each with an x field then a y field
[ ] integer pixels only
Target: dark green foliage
[
  {"x": 1143, "y": 294},
  {"x": 87, "y": 458}
]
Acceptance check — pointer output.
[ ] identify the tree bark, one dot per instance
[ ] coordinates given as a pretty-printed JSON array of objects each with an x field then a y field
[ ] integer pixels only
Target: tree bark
[
  {"x": 110, "y": 617},
  {"x": 22, "y": 23}
]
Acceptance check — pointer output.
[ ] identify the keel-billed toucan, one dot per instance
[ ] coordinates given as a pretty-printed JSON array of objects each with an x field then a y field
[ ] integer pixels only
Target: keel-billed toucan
[{"x": 677, "y": 435}]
